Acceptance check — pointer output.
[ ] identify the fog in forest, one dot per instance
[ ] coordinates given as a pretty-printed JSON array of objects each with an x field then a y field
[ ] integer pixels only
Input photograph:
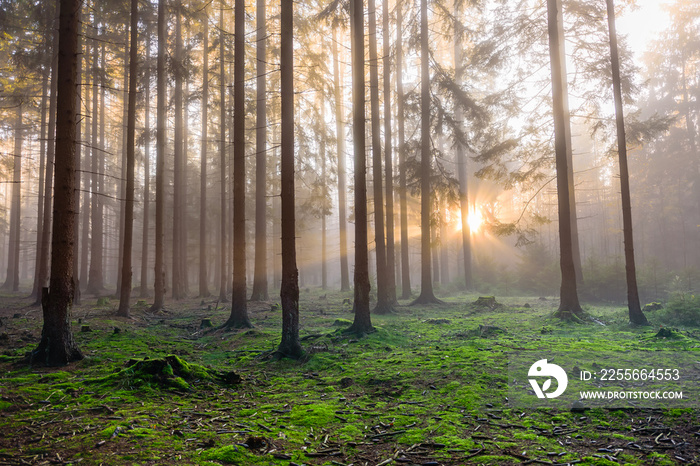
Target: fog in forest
[{"x": 491, "y": 147}]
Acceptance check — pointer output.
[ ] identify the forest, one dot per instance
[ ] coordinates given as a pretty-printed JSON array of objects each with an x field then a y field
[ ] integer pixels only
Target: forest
[{"x": 350, "y": 232}]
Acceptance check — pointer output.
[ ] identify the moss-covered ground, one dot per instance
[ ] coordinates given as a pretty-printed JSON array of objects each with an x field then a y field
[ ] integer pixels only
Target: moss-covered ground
[{"x": 429, "y": 387}]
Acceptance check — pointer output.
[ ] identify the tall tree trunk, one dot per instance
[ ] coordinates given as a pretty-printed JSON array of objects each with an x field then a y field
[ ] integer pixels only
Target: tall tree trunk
[
  {"x": 342, "y": 183},
  {"x": 636, "y": 315},
  {"x": 260, "y": 277},
  {"x": 403, "y": 190},
  {"x": 122, "y": 182},
  {"x": 363, "y": 322},
  {"x": 460, "y": 155},
  {"x": 324, "y": 234},
  {"x": 95, "y": 283},
  {"x": 444, "y": 246},
  {"x": 203, "y": 260},
  {"x": 78, "y": 173},
  {"x": 42, "y": 170},
  {"x": 57, "y": 346},
  {"x": 161, "y": 78},
  {"x": 569, "y": 307},
  {"x": 48, "y": 190},
  {"x": 383, "y": 304},
  {"x": 143, "y": 292},
  {"x": 426, "y": 292},
  {"x": 12, "y": 278},
  {"x": 125, "y": 295},
  {"x": 289, "y": 291},
  {"x": 239, "y": 307},
  {"x": 177, "y": 162},
  {"x": 388, "y": 161},
  {"x": 222, "y": 164}
]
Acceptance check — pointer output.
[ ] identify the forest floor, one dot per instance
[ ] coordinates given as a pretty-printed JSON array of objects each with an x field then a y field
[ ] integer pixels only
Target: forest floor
[{"x": 429, "y": 387}]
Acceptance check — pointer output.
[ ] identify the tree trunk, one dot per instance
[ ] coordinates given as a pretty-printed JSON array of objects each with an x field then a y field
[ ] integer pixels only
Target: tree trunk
[
  {"x": 569, "y": 307},
  {"x": 289, "y": 291},
  {"x": 203, "y": 279},
  {"x": 388, "y": 162},
  {"x": 78, "y": 177},
  {"x": 161, "y": 115},
  {"x": 460, "y": 155},
  {"x": 122, "y": 182},
  {"x": 362, "y": 323},
  {"x": 426, "y": 292},
  {"x": 143, "y": 292},
  {"x": 239, "y": 307},
  {"x": 12, "y": 278},
  {"x": 222, "y": 159},
  {"x": 48, "y": 190},
  {"x": 42, "y": 171},
  {"x": 95, "y": 283},
  {"x": 322, "y": 155},
  {"x": 636, "y": 315},
  {"x": 260, "y": 278},
  {"x": 57, "y": 346},
  {"x": 383, "y": 303},
  {"x": 403, "y": 190},
  {"x": 177, "y": 288},
  {"x": 342, "y": 184},
  {"x": 125, "y": 294}
]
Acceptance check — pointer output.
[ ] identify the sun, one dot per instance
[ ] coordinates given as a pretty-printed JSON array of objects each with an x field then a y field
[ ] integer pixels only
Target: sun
[{"x": 475, "y": 220}]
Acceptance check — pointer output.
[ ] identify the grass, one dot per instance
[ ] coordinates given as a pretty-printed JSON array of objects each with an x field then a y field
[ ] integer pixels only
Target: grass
[{"x": 426, "y": 386}]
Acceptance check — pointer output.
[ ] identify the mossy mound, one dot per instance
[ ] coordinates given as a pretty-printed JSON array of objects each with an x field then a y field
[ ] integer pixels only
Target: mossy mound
[
  {"x": 170, "y": 372},
  {"x": 484, "y": 303}
]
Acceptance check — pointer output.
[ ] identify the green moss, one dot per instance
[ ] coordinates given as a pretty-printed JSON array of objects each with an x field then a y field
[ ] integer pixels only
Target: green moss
[
  {"x": 231, "y": 454},
  {"x": 316, "y": 415}
]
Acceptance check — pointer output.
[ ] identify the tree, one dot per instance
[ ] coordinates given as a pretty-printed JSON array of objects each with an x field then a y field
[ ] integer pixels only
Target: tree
[
  {"x": 403, "y": 189},
  {"x": 239, "y": 309},
  {"x": 340, "y": 138},
  {"x": 289, "y": 290},
  {"x": 178, "y": 161},
  {"x": 260, "y": 277},
  {"x": 383, "y": 304},
  {"x": 203, "y": 279},
  {"x": 388, "y": 161},
  {"x": 146, "y": 172},
  {"x": 12, "y": 279},
  {"x": 57, "y": 346},
  {"x": 426, "y": 293},
  {"x": 125, "y": 291},
  {"x": 362, "y": 323},
  {"x": 159, "y": 269},
  {"x": 222, "y": 158},
  {"x": 635, "y": 309},
  {"x": 569, "y": 307},
  {"x": 461, "y": 156}
]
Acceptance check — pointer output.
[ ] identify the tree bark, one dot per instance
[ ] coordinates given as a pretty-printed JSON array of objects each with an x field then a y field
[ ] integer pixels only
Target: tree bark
[
  {"x": 636, "y": 315},
  {"x": 289, "y": 291},
  {"x": 161, "y": 115},
  {"x": 362, "y": 323},
  {"x": 388, "y": 161},
  {"x": 42, "y": 171},
  {"x": 203, "y": 279},
  {"x": 125, "y": 292},
  {"x": 239, "y": 307},
  {"x": 143, "y": 292},
  {"x": 383, "y": 304},
  {"x": 122, "y": 182},
  {"x": 222, "y": 159},
  {"x": 177, "y": 287},
  {"x": 48, "y": 190},
  {"x": 460, "y": 155},
  {"x": 403, "y": 190},
  {"x": 426, "y": 293},
  {"x": 342, "y": 183},
  {"x": 57, "y": 346},
  {"x": 569, "y": 307},
  {"x": 12, "y": 278},
  {"x": 260, "y": 286}
]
